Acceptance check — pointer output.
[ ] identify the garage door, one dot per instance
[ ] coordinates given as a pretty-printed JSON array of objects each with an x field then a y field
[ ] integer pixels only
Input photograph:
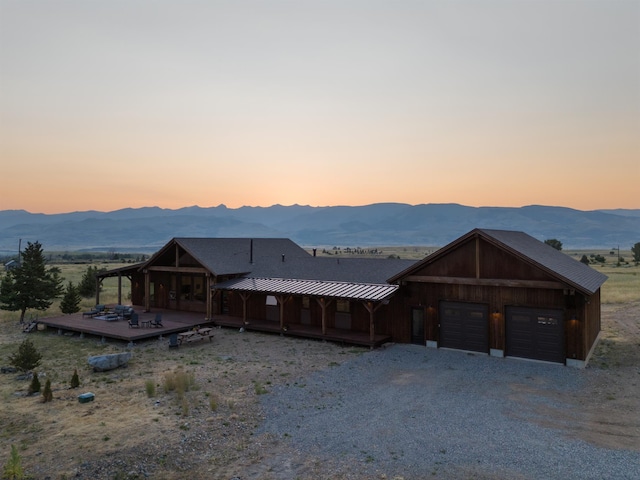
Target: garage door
[
  {"x": 535, "y": 333},
  {"x": 464, "y": 326}
]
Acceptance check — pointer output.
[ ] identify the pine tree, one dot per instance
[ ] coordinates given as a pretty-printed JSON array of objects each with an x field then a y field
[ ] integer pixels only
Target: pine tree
[
  {"x": 75, "y": 380},
  {"x": 13, "y": 468},
  {"x": 34, "y": 387},
  {"x": 71, "y": 299},
  {"x": 87, "y": 286},
  {"x": 26, "y": 358},
  {"x": 47, "y": 394},
  {"x": 635, "y": 251},
  {"x": 31, "y": 285}
]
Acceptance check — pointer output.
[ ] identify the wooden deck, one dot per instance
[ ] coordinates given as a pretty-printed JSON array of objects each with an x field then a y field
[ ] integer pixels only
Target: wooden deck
[
  {"x": 172, "y": 321},
  {"x": 175, "y": 322}
]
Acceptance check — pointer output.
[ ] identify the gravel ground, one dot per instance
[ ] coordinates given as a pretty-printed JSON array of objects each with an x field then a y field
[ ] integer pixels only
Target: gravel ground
[{"x": 410, "y": 412}]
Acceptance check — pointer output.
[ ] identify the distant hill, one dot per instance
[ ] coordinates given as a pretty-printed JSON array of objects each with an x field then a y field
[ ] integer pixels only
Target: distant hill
[{"x": 146, "y": 229}]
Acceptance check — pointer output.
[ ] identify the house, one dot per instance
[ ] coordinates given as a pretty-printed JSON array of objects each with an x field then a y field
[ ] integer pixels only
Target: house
[
  {"x": 502, "y": 293},
  {"x": 267, "y": 284},
  {"x": 497, "y": 292}
]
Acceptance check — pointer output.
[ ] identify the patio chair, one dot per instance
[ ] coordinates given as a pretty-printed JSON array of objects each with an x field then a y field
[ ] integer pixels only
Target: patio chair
[
  {"x": 157, "y": 322},
  {"x": 133, "y": 321},
  {"x": 173, "y": 341},
  {"x": 94, "y": 311}
]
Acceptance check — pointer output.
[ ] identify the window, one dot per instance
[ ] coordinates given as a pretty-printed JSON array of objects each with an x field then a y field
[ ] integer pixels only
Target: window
[
  {"x": 271, "y": 300},
  {"x": 185, "y": 288},
  {"x": 343, "y": 306},
  {"x": 198, "y": 289}
]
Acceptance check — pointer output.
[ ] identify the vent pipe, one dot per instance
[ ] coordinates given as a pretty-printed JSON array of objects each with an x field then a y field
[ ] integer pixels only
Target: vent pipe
[
  {"x": 283, "y": 257},
  {"x": 314, "y": 252}
]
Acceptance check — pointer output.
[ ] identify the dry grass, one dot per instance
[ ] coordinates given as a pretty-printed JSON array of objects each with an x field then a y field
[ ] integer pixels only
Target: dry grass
[{"x": 205, "y": 391}]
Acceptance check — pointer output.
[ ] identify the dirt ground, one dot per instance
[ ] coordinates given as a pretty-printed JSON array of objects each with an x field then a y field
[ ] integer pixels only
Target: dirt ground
[{"x": 136, "y": 429}]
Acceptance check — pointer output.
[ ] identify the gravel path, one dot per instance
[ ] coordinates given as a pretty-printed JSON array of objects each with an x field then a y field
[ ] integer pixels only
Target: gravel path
[{"x": 412, "y": 412}]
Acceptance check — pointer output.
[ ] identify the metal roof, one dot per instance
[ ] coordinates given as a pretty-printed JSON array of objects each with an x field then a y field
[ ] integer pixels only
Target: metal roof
[{"x": 317, "y": 288}]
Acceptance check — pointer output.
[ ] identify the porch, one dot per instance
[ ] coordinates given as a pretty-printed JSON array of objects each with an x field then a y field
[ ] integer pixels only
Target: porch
[{"x": 306, "y": 331}]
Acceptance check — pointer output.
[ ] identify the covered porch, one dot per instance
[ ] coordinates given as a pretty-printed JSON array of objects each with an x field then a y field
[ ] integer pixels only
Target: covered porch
[
  {"x": 323, "y": 293},
  {"x": 304, "y": 331}
]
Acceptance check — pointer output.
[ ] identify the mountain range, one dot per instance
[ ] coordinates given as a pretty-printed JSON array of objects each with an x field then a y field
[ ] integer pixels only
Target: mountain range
[{"x": 382, "y": 224}]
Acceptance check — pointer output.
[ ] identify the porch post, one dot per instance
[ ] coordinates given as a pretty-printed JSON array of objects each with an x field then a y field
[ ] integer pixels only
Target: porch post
[
  {"x": 119, "y": 288},
  {"x": 244, "y": 296},
  {"x": 372, "y": 327},
  {"x": 98, "y": 283},
  {"x": 147, "y": 291},
  {"x": 281, "y": 301},
  {"x": 323, "y": 306}
]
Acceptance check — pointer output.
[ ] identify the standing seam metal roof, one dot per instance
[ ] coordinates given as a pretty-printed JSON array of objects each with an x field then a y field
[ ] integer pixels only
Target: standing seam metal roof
[{"x": 318, "y": 288}]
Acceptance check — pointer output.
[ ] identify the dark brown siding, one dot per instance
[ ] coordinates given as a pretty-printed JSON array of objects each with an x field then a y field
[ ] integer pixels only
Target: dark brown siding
[
  {"x": 496, "y": 298},
  {"x": 500, "y": 264}
]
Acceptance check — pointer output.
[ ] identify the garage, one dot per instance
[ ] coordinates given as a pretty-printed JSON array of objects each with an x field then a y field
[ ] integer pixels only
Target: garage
[
  {"x": 535, "y": 333},
  {"x": 464, "y": 326},
  {"x": 505, "y": 293}
]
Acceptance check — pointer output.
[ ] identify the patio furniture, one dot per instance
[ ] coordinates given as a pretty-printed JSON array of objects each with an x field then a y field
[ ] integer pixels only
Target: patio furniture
[
  {"x": 133, "y": 321},
  {"x": 157, "y": 322},
  {"x": 173, "y": 341},
  {"x": 123, "y": 311},
  {"x": 94, "y": 311},
  {"x": 195, "y": 335}
]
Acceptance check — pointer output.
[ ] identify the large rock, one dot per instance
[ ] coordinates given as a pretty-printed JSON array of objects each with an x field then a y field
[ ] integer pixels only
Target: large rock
[{"x": 102, "y": 363}]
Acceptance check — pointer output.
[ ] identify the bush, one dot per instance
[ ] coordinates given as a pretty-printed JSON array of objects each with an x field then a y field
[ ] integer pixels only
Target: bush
[
  {"x": 26, "y": 358},
  {"x": 179, "y": 381},
  {"x": 150, "y": 387},
  {"x": 47, "y": 395},
  {"x": 34, "y": 387}
]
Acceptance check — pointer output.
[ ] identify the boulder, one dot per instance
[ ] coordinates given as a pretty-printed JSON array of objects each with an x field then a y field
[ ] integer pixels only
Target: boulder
[{"x": 102, "y": 363}]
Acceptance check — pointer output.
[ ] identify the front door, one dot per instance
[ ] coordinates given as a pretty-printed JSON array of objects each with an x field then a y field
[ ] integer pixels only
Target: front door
[{"x": 417, "y": 325}]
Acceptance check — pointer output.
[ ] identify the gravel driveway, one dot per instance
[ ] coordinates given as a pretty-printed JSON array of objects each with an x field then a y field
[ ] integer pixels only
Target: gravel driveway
[{"x": 410, "y": 412}]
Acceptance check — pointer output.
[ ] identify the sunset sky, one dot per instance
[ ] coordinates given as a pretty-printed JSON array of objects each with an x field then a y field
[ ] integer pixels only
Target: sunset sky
[{"x": 130, "y": 103}]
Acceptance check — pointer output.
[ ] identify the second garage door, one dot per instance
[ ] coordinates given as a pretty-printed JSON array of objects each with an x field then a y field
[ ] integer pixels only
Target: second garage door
[
  {"x": 535, "y": 333},
  {"x": 464, "y": 326}
]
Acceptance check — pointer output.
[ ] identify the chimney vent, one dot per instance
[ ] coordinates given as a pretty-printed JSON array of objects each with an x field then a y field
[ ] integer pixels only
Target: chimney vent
[
  {"x": 314, "y": 252},
  {"x": 283, "y": 257}
]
